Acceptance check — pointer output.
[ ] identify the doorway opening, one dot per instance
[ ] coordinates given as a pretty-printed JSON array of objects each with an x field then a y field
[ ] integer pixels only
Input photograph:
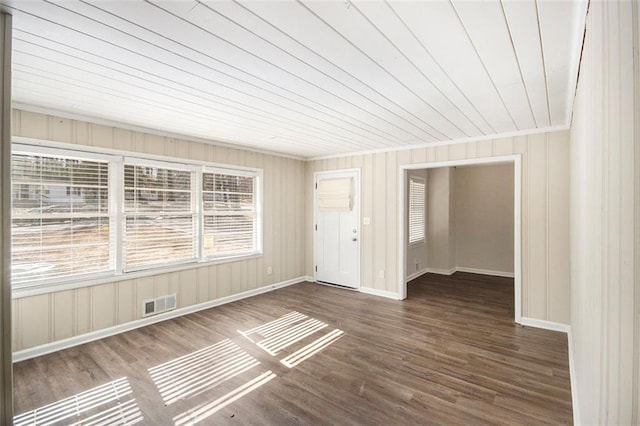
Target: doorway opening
[{"x": 405, "y": 248}]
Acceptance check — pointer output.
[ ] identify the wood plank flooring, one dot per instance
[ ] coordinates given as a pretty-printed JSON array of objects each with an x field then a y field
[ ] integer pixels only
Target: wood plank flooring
[{"x": 449, "y": 354}]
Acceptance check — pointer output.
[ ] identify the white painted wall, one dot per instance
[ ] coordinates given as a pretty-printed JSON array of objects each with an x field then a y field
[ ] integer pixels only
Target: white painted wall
[
  {"x": 545, "y": 207},
  {"x": 46, "y": 318},
  {"x": 484, "y": 217},
  {"x": 605, "y": 187},
  {"x": 441, "y": 241}
]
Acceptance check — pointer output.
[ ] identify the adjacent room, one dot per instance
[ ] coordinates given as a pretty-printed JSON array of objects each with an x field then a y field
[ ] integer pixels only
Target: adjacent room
[{"x": 320, "y": 212}]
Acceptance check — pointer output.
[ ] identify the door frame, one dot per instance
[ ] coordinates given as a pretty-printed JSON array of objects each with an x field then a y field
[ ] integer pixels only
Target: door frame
[
  {"x": 356, "y": 206},
  {"x": 516, "y": 160}
]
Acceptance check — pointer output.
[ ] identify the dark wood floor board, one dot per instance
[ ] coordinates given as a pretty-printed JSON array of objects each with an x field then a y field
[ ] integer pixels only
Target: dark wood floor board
[{"x": 448, "y": 354}]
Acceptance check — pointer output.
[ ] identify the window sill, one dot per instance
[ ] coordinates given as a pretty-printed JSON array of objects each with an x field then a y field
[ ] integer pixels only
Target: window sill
[{"x": 37, "y": 289}]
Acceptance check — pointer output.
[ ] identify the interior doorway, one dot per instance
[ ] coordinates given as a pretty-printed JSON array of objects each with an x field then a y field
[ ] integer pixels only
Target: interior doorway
[{"x": 405, "y": 248}]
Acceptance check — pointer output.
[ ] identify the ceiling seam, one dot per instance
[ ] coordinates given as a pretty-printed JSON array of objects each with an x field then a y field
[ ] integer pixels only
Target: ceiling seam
[
  {"x": 180, "y": 84},
  {"x": 434, "y": 144},
  {"x": 484, "y": 66},
  {"x": 421, "y": 73},
  {"x": 374, "y": 62},
  {"x": 544, "y": 65},
  {"x": 515, "y": 55},
  {"x": 339, "y": 68},
  {"x": 139, "y": 78},
  {"x": 185, "y": 71},
  {"x": 174, "y": 110},
  {"x": 266, "y": 61},
  {"x": 297, "y": 58},
  {"x": 424, "y": 47}
]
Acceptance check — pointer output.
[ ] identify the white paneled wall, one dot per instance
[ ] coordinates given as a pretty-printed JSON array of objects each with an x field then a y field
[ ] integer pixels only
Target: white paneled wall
[
  {"x": 605, "y": 187},
  {"x": 545, "y": 205},
  {"x": 45, "y": 318}
]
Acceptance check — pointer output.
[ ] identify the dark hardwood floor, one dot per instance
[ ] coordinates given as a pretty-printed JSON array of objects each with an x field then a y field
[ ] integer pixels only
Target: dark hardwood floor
[{"x": 312, "y": 354}]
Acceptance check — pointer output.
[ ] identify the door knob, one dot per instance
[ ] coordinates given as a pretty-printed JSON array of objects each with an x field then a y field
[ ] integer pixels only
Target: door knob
[{"x": 354, "y": 239}]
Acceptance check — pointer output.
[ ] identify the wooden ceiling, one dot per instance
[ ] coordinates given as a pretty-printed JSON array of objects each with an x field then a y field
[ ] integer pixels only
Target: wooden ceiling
[{"x": 303, "y": 78}]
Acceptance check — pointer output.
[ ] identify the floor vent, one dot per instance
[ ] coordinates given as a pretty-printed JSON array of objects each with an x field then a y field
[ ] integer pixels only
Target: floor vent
[{"x": 159, "y": 305}]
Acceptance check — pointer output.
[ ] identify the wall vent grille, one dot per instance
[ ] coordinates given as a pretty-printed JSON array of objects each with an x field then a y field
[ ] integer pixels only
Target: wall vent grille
[{"x": 158, "y": 305}]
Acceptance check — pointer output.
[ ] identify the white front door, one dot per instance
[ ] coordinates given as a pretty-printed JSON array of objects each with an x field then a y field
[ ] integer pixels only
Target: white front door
[{"x": 337, "y": 227}]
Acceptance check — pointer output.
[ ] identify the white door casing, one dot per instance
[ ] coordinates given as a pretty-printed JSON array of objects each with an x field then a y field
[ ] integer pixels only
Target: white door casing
[{"x": 337, "y": 230}]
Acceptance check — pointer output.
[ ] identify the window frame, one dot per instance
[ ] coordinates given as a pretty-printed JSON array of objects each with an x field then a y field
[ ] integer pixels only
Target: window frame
[
  {"x": 257, "y": 195},
  {"x": 117, "y": 160},
  {"x": 193, "y": 170},
  {"x": 421, "y": 181}
]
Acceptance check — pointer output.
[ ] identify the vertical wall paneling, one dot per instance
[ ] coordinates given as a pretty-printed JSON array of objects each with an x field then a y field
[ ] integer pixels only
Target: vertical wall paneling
[
  {"x": 6, "y": 381},
  {"x": 541, "y": 162},
  {"x": 50, "y": 317},
  {"x": 604, "y": 190},
  {"x": 636, "y": 66}
]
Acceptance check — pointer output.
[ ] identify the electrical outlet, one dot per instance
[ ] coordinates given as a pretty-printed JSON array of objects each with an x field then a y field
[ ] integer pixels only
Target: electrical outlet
[
  {"x": 269, "y": 270},
  {"x": 381, "y": 273}
]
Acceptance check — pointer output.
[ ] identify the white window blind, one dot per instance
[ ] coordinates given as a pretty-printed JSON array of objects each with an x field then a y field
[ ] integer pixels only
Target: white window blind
[
  {"x": 159, "y": 216},
  {"x": 60, "y": 218},
  {"x": 416, "y": 210},
  {"x": 229, "y": 213},
  {"x": 334, "y": 195}
]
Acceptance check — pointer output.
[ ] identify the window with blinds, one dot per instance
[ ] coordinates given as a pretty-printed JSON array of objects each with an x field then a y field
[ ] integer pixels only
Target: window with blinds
[
  {"x": 229, "y": 214},
  {"x": 417, "y": 188},
  {"x": 79, "y": 215},
  {"x": 60, "y": 218},
  {"x": 159, "y": 216}
]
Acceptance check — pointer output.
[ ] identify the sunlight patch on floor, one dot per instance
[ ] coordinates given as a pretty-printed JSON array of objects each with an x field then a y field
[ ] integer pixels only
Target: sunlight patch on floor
[
  {"x": 311, "y": 349},
  {"x": 200, "y": 371},
  {"x": 110, "y": 398},
  {"x": 201, "y": 412}
]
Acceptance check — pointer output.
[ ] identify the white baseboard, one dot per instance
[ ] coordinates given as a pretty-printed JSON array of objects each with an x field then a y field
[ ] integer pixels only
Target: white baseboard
[
  {"x": 121, "y": 328},
  {"x": 574, "y": 385},
  {"x": 441, "y": 271},
  {"x": 417, "y": 274},
  {"x": 547, "y": 325},
  {"x": 485, "y": 272},
  {"x": 383, "y": 293},
  {"x": 461, "y": 269}
]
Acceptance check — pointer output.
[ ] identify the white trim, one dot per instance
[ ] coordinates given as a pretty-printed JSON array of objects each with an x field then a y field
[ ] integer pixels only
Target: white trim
[
  {"x": 357, "y": 206},
  {"x": 382, "y": 293},
  {"x": 441, "y": 271},
  {"x": 574, "y": 384},
  {"x": 417, "y": 274},
  {"x": 485, "y": 272},
  {"x": 516, "y": 159},
  {"x": 504, "y": 135},
  {"x": 132, "y": 325},
  {"x": 234, "y": 145},
  {"x": 546, "y": 325},
  {"x": 460, "y": 269},
  {"x": 141, "y": 129}
]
